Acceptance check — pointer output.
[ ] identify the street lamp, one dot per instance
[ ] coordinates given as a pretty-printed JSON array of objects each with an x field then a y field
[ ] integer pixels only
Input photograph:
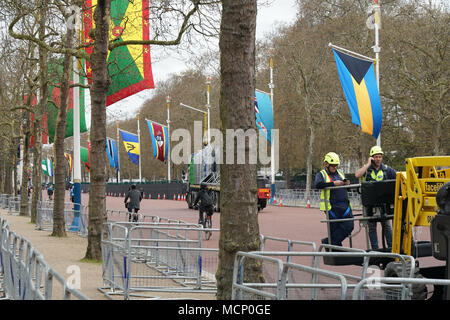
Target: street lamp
[
  {"x": 208, "y": 83},
  {"x": 168, "y": 134}
]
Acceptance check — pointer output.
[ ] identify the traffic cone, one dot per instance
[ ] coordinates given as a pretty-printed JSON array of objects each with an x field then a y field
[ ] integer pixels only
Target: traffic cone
[
  {"x": 164, "y": 197},
  {"x": 174, "y": 197},
  {"x": 281, "y": 201},
  {"x": 159, "y": 197},
  {"x": 179, "y": 197},
  {"x": 308, "y": 203},
  {"x": 275, "y": 200}
]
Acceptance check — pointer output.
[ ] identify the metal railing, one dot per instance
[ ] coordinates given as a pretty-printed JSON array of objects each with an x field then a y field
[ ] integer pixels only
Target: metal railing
[
  {"x": 26, "y": 275},
  {"x": 139, "y": 258},
  {"x": 299, "y": 198},
  {"x": 294, "y": 280}
]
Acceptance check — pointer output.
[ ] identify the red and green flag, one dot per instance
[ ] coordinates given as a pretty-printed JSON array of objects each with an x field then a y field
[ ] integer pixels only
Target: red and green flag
[
  {"x": 129, "y": 66},
  {"x": 52, "y": 107}
]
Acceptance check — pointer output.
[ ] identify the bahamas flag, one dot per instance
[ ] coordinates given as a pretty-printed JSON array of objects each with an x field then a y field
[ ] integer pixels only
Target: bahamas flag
[
  {"x": 129, "y": 66},
  {"x": 264, "y": 114},
  {"x": 111, "y": 150},
  {"x": 160, "y": 140},
  {"x": 131, "y": 143},
  {"x": 361, "y": 91}
]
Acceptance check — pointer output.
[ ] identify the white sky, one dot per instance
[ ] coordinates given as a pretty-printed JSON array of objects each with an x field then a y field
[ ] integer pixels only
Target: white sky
[{"x": 268, "y": 18}]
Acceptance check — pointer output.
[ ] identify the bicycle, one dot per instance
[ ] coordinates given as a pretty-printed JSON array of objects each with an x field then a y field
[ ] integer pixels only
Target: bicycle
[{"x": 207, "y": 224}]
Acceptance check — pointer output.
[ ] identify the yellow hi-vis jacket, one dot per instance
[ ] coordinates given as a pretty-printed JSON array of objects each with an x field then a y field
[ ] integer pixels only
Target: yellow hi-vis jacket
[{"x": 326, "y": 193}]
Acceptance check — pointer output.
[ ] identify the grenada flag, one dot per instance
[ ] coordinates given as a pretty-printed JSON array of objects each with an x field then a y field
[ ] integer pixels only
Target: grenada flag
[{"x": 129, "y": 66}]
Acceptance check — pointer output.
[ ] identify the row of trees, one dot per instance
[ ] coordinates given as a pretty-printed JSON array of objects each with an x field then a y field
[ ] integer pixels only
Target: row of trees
[{"x": 310, "y": 109}]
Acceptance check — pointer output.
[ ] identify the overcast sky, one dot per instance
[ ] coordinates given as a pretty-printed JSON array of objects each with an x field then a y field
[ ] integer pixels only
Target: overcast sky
[{"x": 268, "y": 18}]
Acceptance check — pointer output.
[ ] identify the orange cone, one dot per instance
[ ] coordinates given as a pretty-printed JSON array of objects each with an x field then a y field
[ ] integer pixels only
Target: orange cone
[
  {"x": 174, "y": 197},
  {"x": 159, "y": 197},
  {"x": 308, "y": 203},
  {"x": 281, "y": 201},
  {"x": 164, "y": 197}
]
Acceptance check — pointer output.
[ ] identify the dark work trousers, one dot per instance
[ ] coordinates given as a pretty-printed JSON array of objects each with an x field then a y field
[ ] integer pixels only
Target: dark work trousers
[{"x": 340, "y": 230}]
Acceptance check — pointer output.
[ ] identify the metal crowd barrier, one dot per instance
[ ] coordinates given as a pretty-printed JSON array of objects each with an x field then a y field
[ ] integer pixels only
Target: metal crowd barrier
[
  {"x": 144, "y": 257},
  {"x": 298, "y": 198},
  {"x": 25, "y": 274},
  {"x": 294, "y": 280}
]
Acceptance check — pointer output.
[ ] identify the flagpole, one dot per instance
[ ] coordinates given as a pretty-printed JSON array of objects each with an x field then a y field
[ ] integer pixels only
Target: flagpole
[
  {"x": 377, "y": 50},
  {"x": 208, "y": 82},
  {"x": 139, "y": 142},
  {"x": 272, "y": 140},
  {"x": 118, "y": 153},
  {"x": 351, "y": 52},
  {"x": 168, "y": 137},
  {"x": 76, "y": 142}
]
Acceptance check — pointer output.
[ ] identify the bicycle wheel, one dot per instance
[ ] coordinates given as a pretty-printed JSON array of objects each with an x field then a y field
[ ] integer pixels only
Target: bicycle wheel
[{"x": 207, "y": 224}]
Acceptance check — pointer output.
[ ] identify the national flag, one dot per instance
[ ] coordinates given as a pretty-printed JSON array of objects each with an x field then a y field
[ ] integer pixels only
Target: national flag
[
  {"x": 85, "y": 158},
  {"x": 129, "y": 66},
  {"x": 359, "y": 83},
  {"x": 43, "y": 124},
  {"x": 113, "y": 155},
  {"x": 56, "y": 71},
  {"x": 256, "y": 106},
  {"x": 131, "y": 143},
  {"x": 47, "y": 167},
  {"x": 264, "y": 114},
  {"x": 160, "y": 140},
  {"x": 69, "y": 160}
]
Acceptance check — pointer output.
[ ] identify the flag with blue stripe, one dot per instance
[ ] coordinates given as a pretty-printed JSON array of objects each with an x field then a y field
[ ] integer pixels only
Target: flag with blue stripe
[
  {"x": 360, "y": 88},
  {"x": 111, "y": 150},
  {"x": 264, "y": 114},
  {"x": 131, "y": 143}
]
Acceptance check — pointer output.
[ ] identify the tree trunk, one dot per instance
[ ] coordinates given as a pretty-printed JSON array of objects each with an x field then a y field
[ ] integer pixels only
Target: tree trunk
[
  {"x": 238, "y": 219},
  {"x": 100, "y": 84},
  {"x": 59, "y": 228},
  {"x": 25, "y": 164}
]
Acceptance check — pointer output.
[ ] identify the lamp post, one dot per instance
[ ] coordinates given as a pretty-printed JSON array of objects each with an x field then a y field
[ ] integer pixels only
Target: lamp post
[
  {"x": 208, "y": 83},
  {"x": 168, "y": 133}
]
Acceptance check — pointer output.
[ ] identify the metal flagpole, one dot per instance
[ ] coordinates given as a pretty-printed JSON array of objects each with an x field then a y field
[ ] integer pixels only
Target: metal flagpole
[
  {"x": 272, "y": 140},
  {"x": 139, "y": 141},
  {"x": 374, "y": 22},
  {"x": 377, "y": 50},
  {"x": 118, "y": 153},
  {"x": 168, "y": 137},
  {"x": 208, "y": 82},
  {"x": 76, "y": 142}
]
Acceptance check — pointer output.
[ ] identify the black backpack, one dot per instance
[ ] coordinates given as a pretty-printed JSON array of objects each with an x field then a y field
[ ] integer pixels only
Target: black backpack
[{"x": 206, "y": 199}]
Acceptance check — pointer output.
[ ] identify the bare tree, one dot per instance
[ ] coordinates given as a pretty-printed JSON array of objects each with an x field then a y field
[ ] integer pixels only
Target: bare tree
[{"x": 238, "y": 219}]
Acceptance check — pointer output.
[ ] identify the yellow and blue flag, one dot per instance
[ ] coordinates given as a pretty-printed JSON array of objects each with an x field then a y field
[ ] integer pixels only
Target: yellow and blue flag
[
  {"x": 361, "y": 91},
  {"x": 131, "y": 143}
]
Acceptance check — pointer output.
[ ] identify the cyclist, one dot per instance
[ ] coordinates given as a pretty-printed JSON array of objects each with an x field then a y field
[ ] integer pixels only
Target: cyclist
[
  {"x": 135, "y": 197},
  {"x": 206, "y": 203}
]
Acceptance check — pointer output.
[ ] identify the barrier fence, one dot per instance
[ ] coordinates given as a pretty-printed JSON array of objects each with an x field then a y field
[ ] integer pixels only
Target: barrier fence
[
  {"x": 26, "y": 275},
  {"x": 299, "y": 198},
  {"x": 155, "y": 255}
]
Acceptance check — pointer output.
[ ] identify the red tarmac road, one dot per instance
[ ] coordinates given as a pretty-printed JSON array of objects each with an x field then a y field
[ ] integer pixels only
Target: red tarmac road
[{"x": 293, "y": 223}]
